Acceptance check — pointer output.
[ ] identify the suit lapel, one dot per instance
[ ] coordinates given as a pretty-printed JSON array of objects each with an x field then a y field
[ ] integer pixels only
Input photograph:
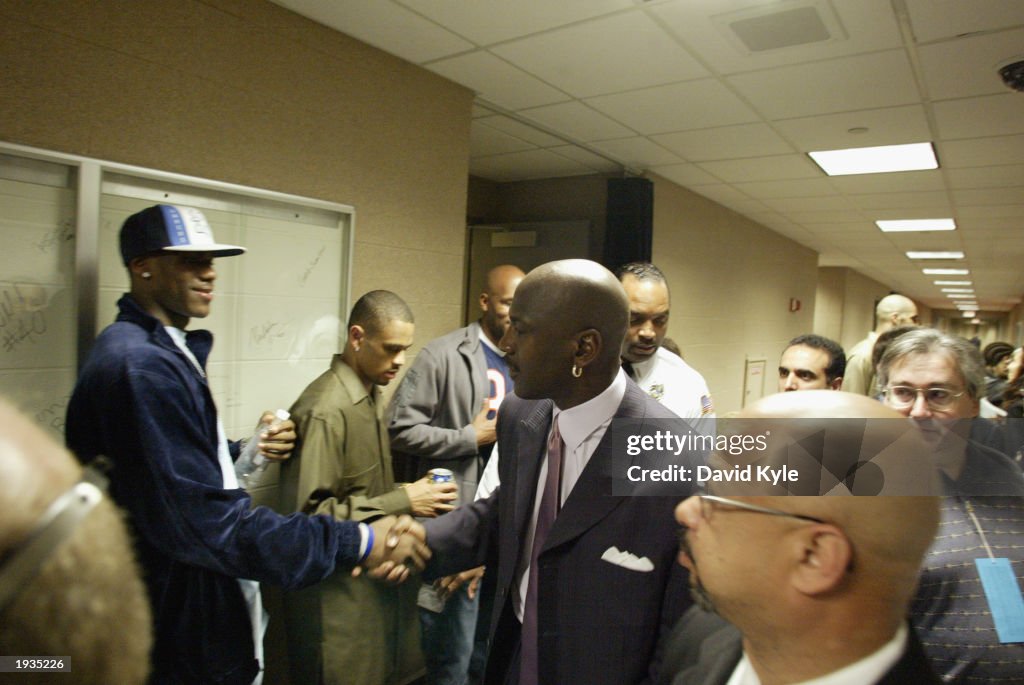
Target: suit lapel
[
  {"x": 719, "y": 654},
  {"x": 530, "y": 451},
  {"x": 591, "y": 498}
]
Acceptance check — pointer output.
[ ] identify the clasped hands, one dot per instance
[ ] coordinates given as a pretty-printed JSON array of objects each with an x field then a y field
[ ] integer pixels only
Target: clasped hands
[{"x": 399, "y": 548}]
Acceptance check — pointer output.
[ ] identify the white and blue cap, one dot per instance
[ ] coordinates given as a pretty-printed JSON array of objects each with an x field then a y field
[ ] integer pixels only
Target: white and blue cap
[{"x": 170, "y": 228}]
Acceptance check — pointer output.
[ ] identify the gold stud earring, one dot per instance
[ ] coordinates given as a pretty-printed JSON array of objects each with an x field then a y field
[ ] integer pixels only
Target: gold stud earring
[{"x": 146, "y": 274}]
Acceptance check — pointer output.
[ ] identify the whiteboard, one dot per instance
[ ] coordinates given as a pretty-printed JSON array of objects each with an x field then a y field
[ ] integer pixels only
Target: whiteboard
[
  {"x": 279, "y": 308},
  {"x": 37, "y": 355}
]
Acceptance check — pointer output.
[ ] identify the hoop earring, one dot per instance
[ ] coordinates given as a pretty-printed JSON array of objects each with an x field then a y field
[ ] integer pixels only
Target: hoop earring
[
  {"x": 577, "y": 370},
  {"x": 146, "y": 274}
]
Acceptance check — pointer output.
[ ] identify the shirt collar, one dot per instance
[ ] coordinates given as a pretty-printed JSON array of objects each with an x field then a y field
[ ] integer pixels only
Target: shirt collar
[
  {"x": 487, "y": 341},
  {"x": 870, "y": 669},
  {"x": 350, "y": 381},
  {"x": 641, "y": 369},
  {"x": 579, "y": 422}
]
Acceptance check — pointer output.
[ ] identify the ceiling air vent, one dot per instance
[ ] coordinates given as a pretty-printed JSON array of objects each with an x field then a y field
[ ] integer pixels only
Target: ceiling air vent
[{"x": 780, "y": 25}]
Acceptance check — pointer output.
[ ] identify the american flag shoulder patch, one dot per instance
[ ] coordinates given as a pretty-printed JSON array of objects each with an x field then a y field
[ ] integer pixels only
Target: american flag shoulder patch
[{"x": 706, "y": 406}]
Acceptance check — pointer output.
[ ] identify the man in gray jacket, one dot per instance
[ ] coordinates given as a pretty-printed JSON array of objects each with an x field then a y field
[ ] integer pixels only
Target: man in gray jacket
[{"x": 443, "y": 415}]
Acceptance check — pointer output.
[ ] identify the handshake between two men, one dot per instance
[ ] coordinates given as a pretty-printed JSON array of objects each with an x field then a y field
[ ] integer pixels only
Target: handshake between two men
[
  {"x": 398, "y": 544},
  {"x": 398, "y": 548}
]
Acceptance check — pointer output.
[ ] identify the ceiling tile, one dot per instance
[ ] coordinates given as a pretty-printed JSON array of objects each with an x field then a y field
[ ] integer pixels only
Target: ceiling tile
[
  {"x": 490, "y": 21},
  {"x": 991, "y": 115},
  {"x": 934, "y": 201},
  {"x": 804, "y": 187},
  {"x": 728, "y": 142},
  {"x": 530, "y": 164},
  {"x": 888, "y": 126},
  {"x": 484, "y": 140},
  {"x": 723, "y": 194},
  {"x": 847, "y": 217},
  {"x": 988, "y": 211},
  {"x": 637, "y": 152},
  {"x": 523, "y": 131},
  {"x": 869, "y": 26},
  {"x": 686, "y": 175},
  {"x": 881, "y": 79},
  {"x": 987, "y": 177},
  {"x": 384, "y": 25},
  {"x": 497, "y": 81},
  {"x": 587, "y": 158},
  {"x": 967, "y": 66},
  {"x": 934, "y": 19},
  {"x": 584, "y": 123},
  {"x": 1010, "y": 197},
  {"x": 762, "y": 168},
  {"x": 677, "y": 107},
  {"x": 608, "y": 55},
  {"x": 809, "y": 204},
  {"x": 982, "y": 151}
]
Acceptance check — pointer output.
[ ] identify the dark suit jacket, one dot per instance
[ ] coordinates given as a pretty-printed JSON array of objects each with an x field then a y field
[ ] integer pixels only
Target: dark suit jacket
[
  {"x": 598, "y": 622},
  {"x": 704, "y": 650}
]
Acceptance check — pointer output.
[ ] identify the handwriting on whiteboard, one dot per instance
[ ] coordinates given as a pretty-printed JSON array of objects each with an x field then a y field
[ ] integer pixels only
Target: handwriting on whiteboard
[{"x": 22, "y": 315}]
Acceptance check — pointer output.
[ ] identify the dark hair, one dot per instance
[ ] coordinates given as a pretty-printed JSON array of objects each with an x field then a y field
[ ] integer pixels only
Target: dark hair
[
  {"x": 644, "y": 271},
  {"x": 884, "y": 340},
  {"x": 377, "y": 308},
  {"x": 837, "y": 358},
  {"x": 996, "y": 352}
]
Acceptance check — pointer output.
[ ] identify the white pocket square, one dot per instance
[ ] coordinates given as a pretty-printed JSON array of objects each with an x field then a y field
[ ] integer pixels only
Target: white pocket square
[{"x": 626, "y": 560}]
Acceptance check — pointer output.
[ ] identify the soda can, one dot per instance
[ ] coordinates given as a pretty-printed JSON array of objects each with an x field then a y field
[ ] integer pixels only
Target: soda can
[{"x": 441, "y": 475}]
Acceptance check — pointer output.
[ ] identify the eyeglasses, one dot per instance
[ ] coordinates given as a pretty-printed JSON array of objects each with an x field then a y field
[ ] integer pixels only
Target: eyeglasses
[
  {"x": 939, "y": 399},
  {"x": 708, "y": 504},
  {"x": 20, "y": 564}
]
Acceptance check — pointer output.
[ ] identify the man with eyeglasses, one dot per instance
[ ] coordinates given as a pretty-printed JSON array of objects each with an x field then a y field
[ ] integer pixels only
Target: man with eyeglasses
[
  {"x": 892, "y": 311},
  {"x": 815, "y": 589},
  {"x": 70, "y": 589},
  {"x": 937, "y": 379}
]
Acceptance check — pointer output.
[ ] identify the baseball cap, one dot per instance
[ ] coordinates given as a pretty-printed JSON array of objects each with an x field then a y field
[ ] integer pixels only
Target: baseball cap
[{"x": 170, "y": 228}]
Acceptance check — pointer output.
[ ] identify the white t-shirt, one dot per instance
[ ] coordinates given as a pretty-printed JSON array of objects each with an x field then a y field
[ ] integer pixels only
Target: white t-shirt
[{"x": 676, "y": 384}]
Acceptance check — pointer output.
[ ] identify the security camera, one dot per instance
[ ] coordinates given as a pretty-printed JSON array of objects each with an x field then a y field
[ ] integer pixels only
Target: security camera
[{"x": 1012, "y": 73}]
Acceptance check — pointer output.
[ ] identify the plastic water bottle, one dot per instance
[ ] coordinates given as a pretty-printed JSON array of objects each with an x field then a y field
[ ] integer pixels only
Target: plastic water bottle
[{"x": 251, "y": 464}]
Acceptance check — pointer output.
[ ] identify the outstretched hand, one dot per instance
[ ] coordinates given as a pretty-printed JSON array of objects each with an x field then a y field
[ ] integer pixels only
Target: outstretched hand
[{"x": 399, "y": 548}]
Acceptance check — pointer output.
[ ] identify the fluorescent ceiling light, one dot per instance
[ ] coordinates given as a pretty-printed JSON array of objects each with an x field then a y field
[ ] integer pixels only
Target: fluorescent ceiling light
[
  {"x": 876, "y": 160},
  {"x": 958, "y": 290},
  {"x": 897, "y": 225},
  {"x": 935, "y": 255},
  {"x": 954, "y": 282},
  {"x": 968, "y": 314},
  {"x": 946, "y": 272},
  {"x": 957, "y": 296},
  {"x": 966, "y": 305}
]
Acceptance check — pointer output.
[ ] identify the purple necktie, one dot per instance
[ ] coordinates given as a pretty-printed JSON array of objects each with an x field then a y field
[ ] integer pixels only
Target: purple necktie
[{"x": 549, "y": 506}]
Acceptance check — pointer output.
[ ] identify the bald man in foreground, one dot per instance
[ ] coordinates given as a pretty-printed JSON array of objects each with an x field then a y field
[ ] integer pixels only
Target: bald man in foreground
[
  {"x": 802, "y": 588},
  {"x": 76, "y": 593},
  {"x": 585, "y": 580}
]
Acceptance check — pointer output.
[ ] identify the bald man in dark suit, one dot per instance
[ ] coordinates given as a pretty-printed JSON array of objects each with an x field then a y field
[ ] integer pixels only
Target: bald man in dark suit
[{"x": 585, "y": 580}]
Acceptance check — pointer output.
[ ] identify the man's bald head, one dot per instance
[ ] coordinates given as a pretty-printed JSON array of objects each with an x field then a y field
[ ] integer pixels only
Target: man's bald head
[
  {"x": 894, "y": 310},
  {"x": 496, "y": 299},
  {"x": 567, "y": 315},
  {"x": 86, "y": 601}
]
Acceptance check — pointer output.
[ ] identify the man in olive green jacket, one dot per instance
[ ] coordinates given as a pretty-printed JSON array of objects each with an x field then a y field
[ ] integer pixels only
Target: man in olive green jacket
[{"x": 356, "y": 631}]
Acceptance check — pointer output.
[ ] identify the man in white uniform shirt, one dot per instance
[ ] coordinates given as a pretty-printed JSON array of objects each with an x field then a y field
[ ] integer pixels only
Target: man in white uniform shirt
[{"x": 660, "y": 373}]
